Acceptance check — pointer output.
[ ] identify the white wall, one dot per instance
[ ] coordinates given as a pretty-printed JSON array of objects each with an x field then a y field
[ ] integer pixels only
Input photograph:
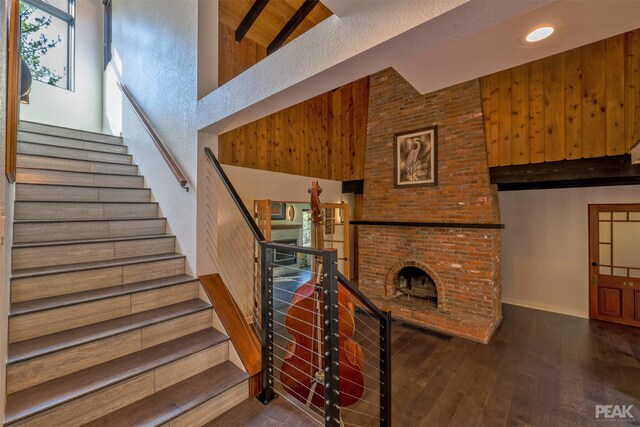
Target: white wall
[
  {"x": 155, "y": 55},
  {"x": 254, "y": 184},
  {"x": 545, "y": 245},
  {"x": 81, "y": 108}
]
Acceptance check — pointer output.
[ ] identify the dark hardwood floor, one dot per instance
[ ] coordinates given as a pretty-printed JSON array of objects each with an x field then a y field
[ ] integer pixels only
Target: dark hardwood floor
[{"x": 540, "y": 369}]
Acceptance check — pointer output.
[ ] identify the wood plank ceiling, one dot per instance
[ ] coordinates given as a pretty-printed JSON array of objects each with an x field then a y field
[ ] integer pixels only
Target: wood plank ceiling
[
  {"x": 235, "y": 57},
  {"x": 272, "y": 19}
]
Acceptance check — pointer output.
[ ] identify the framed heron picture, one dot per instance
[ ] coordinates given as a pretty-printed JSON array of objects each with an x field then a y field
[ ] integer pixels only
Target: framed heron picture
[{"x": 416, "y": 155}]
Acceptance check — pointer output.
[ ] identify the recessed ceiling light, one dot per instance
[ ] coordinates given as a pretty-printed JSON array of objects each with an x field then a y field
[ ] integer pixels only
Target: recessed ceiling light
[{"x": 539, "y": 34}]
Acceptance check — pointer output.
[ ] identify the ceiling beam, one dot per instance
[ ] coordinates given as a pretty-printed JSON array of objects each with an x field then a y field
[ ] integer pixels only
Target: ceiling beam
[
  {"x": 256, "y": 8},
  {"x": 594, "y": 172},
  {"x": 291, "y": 26}
]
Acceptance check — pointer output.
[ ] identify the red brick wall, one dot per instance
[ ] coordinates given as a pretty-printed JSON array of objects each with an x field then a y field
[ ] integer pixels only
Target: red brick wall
[
  {"x": 464, "y": 263},
  {"x": 463, "y": 193}
]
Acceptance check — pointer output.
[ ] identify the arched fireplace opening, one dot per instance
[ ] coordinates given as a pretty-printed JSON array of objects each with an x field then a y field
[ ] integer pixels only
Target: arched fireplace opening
[{"x": 414, "y": 284}]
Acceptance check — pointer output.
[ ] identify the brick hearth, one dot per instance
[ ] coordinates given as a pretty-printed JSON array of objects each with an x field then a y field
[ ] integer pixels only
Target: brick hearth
[{"x": 463, "y": 262}]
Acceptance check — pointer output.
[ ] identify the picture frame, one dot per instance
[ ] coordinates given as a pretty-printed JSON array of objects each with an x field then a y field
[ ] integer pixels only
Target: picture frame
[
  {"x": 416, "y": 158},
  {"x": 291, "y": 213},
  {"x": 278, "y": 210}
]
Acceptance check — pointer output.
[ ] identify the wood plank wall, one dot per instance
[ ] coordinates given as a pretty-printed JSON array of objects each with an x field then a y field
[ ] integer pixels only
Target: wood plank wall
[
  {"x": 234, "y": 57},
  {"x": 322, "y": 137},
  {"x": 581, "y": 103}
]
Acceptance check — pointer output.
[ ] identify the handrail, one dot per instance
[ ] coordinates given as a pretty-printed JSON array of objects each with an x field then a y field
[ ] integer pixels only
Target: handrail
[
  {"x": 13, "y": 92},
  {"x": 361, "y": 297},
  {"x": 257, "y": 233},
  {"x": 180, "y": 176}
]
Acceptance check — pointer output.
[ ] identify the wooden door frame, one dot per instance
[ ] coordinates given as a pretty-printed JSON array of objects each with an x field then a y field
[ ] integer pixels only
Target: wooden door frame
[{"x": 594, "y": 270}]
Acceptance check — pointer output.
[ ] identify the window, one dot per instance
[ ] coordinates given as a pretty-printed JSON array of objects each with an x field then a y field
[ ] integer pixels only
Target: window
[
  {"x": 47, "y": 40},
  {"x": 108, "y": 13}
]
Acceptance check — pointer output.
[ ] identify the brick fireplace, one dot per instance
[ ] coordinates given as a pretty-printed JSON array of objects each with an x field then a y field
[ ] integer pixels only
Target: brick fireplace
[{"x": 462, "y": 259}]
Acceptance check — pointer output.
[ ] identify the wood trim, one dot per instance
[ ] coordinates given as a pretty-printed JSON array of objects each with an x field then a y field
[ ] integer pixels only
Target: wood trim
[
  {"x": 13, "y": 91},
  {"x": 430, "y": 224},
  {"x": 244, "y": 339},
  {"x": 602, "y": 171}
]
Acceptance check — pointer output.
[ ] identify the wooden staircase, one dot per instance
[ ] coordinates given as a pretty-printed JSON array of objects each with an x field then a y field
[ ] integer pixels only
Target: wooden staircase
[{"x": 105, "y": 327}]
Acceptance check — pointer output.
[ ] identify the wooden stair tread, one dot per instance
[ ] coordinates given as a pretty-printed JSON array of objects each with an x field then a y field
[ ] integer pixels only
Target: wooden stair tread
[
  {"x": 177, "y": 399},
  {"x": 67, "y": 268},
  {"x": 53, "y": 393},
  {"x": 100, "y": 187},
  {"x": 74, "y": 172},
  {"x": 71, "y": 148},
  {"x": 39, "y": 346},
  {"x": 18, "y": 308},
  {"x": 51, "y": 221},
  {"x": 75, "y": 160},
  {"x": 53, "y": 202},
  {"x": 93, "y": 141},
  {"x": 89, "y": 241},
  {"x": 54, "y": 130}
]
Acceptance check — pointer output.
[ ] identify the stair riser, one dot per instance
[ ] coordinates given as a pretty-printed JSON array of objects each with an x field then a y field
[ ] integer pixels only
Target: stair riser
[
  {"x": 47, "y": 322},
  {"x": 34, "y": 371},
  {"x": 89, "y": 252},
  {"x": 70, "y": 211},
  {"x": 102, "y": 402},
  {"x": 68, "y": 133},
  {"x": 43, "y": 176},
  {"x": 74, "y": 165},
  {"x": 71, "y": 143},
  {"x": 212, "y": 408},
  {"x": 30, "y": 288},
  {"x": 46, "y": 232},
  {"x": 30, "y": 192},
  {"x": 70, "y": 153}
]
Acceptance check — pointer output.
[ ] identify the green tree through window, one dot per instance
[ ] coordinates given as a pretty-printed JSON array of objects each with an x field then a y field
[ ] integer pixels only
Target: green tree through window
[{"x": 44, "y": 44}]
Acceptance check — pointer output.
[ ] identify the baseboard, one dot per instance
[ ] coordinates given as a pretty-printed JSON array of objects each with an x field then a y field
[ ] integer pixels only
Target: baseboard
[{"x": 546, "y": 307}]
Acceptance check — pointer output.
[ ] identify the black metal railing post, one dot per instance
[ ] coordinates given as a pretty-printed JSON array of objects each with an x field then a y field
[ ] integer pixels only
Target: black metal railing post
[
  {"x": 331, "y": 343},
  {"x": 266, "y": 285},
  {"x": 385, "y": 370}
]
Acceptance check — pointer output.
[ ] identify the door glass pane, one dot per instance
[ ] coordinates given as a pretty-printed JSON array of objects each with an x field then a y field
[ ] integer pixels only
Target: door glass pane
[
  {"x": 626, "y": 244},
  {"x": 605, "y": 270},
  {"x": 634, "y": 273},
  {"x": 605, "y": 216},
  {"x": 634, "y": 216},
  {"x": 605, "y": 254},
  {"x": 619, "y": 216},
  {"x": 605, "y": 232},
  {"x": 620, "y": 272}
]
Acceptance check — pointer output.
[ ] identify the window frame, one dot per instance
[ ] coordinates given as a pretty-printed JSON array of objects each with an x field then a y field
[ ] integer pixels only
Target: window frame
[{"x": 69, "y": 18}]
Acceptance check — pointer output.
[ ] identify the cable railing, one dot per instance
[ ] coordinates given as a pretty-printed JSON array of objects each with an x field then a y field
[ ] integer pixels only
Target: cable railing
[{"x": 325, "y": 346}]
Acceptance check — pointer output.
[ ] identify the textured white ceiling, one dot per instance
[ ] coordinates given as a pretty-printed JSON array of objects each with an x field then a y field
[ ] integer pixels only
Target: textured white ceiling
[{"x": 499, "y": 47}]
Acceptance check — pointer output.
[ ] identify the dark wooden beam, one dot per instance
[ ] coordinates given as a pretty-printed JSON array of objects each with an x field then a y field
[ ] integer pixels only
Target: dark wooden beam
[
  {"x": 291, "y": 26},
  {"x": 429, "y": 224},
  {"x": 355, "y": 186},
  {"x": 596, "y": 172},
  {"x": 256, "y": 8}
]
